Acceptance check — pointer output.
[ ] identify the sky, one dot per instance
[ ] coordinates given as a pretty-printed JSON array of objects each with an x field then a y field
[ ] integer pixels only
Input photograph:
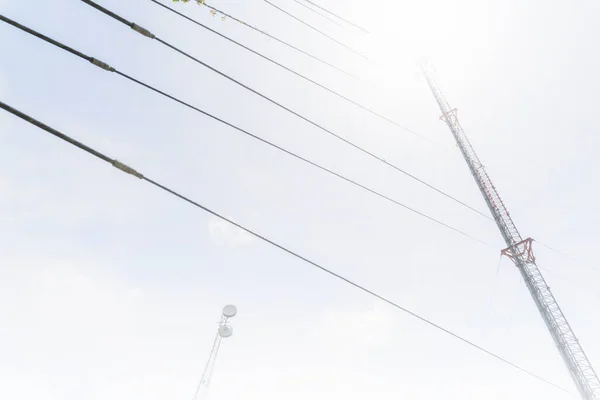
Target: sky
[{"x": 112, "y": 289}]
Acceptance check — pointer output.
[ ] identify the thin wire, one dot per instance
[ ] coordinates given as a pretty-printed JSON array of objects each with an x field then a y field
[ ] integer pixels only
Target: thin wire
[
  {"x": 280, "y": 41},
  {"x": 114, "y": 162},
  {"x": 490, "y": 307},
  {"x": 319, "y": 13},
  {"x": 307, "y": 54},
  {"x": 297, "y": 49},
  {"x": 579, "y": 262},
  {"x": 348, "y": 142},
  {"x": 282, "y": 66},
  {"x": 496, "y": 281},
  {"x": 130, "y": 78},
  {"x": 315, "y": 29},
  {"x": 499, "y": 263},
  {"x": 308, "y": 161},
  {"x": 335, "y": 15},
  {"x": 511, "y": 307},
  {"x": 172, "y": 47}
]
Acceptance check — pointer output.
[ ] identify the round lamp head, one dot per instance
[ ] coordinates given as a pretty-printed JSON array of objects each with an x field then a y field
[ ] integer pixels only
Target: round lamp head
[
  {"x": 225, "y": 331},
  {"x": 229, "y": 311}
]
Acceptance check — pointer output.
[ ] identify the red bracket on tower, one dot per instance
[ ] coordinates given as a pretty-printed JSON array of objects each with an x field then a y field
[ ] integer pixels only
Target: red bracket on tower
[
  {"x": 524, "y": 249},
  {"x": 452, "y": 113}
]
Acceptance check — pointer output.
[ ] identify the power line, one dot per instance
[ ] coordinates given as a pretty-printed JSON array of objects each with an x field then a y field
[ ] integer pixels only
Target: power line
[
  {"x": 315, "y": 29},
  {"x": 150, "y": 35},
  {"x": 204, "y": 3},
  {"x": 109, "y": 68},
  {"x": 129, "y": 170},
  {"x": 319, "y": 13},
  {"x": 335, "y": 15},
  {"x": 210, "y": 7},
  {"x": 280, "y": 65},
  {"x": 279, "y": 40},
  {"x": 570, "y": 257}
]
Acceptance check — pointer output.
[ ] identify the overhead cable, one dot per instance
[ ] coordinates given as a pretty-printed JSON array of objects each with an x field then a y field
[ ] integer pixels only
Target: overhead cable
[
  {"x": 281, "y": 65},
  {"x": 131, "y": 171},
  {"x": 315, "y": 29},
  {"x": 337, "y": 16},
  {"x": 109, "y": 68},
  {"x": 150, "y": 35},
  {"x": 210, "y": 7},
  {"x": 319, "y": 13},
  {"x": 570, "y": 257}
]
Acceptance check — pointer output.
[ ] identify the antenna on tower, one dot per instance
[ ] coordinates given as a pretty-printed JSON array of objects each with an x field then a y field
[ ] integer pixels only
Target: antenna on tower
[{"x": 224, "y": 331}]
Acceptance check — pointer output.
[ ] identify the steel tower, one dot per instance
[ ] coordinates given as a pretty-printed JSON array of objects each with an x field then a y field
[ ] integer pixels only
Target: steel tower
[
  {"x": 224, "y": 331},
  {"x": 520, "y": 251}
]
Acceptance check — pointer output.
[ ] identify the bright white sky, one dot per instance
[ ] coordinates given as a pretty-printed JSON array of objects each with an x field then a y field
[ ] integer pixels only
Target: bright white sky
[{"x": 110, "y": 289}]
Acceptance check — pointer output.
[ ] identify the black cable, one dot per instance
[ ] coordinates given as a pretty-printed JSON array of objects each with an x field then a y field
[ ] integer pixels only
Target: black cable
[
  {"x": 303, "y": 52},
  {"x": 45, "y": 38},
  {"x": 279, "y": 40},
  {"x": 137, "y": 174},
  {"x": 319, "y": 13},
  {"x": 55, "y": 132},
  {"x": 283, "y": 66},
  {"x": 335, "y": 15},
  {"x": 130, "y": 78},
  {"x": 315, "y": 29},
  {"x": 305, "y": 159},
  {"x": 150, "y": 35}
]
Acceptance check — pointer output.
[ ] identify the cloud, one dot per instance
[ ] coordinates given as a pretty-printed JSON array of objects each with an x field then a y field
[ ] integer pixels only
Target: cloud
[{"x": 226, "y": 234}]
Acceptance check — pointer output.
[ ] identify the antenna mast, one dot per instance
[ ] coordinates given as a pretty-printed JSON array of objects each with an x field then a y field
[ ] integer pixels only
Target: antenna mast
[
  {"x": 520, "y": 251},
  {"x": 224, "y": 331}
]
